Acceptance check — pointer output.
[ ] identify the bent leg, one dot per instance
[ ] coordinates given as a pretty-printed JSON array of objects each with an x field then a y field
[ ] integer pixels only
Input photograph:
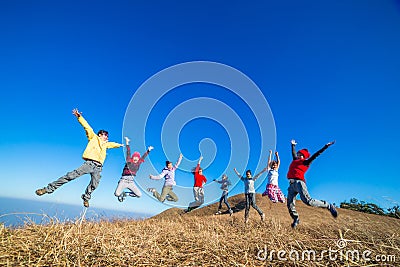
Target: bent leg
[
  {"x": 306, "y": 198},
  {"x": 120, "y": 187},
  {"x": 172, "y": 196},
  {"x": 83, "y": 169},
  {"x": 135, "y": 190}
]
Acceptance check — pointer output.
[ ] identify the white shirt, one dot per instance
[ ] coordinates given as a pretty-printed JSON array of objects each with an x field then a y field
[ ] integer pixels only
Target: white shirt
[{"x": 272, "y": 177}]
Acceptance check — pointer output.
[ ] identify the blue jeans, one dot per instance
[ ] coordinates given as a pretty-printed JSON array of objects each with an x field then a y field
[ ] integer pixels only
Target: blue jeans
[
  {"x": 94, "y": 169},
  {"x": 251, "y": 200},
  {"x": 299, "y": 187},
  {"x": 224, "y": 198}
]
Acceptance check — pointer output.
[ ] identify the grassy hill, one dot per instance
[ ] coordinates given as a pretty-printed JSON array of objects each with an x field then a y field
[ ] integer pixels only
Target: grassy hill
[{"x": 200, "y": 238}]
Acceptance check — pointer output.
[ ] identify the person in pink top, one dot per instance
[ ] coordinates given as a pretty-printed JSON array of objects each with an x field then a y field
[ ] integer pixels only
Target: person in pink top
[
  {"x": 198, "y": 190},
  {"x": 272, "y": 189}
]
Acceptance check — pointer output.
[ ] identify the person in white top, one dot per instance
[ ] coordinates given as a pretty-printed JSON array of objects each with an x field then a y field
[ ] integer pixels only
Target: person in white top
[{"x": 272, "y": 189}]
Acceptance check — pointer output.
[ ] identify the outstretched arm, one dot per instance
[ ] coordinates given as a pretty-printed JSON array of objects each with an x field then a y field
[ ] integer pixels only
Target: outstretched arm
[
  {"x": 316, "y": 154},
  {"x": 158, "y": 177},
  {"x": 259, "y": 174}
]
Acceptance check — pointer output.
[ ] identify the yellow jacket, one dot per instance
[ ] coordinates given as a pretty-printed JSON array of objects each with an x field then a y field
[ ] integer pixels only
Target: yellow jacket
[{"x": 95, "y": 149}]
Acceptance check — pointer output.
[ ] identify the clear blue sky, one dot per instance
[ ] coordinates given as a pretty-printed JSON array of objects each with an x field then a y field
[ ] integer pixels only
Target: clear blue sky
[{"x": 329, "y": 71}]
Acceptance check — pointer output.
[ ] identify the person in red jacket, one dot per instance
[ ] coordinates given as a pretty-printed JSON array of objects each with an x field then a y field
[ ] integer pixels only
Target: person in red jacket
[
  {"x": 300, "y": 164},
  {"x": 198, "y": 191}
]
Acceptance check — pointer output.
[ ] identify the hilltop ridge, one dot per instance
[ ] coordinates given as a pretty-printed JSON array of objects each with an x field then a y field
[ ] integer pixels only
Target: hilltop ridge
[{"x": 200, "y": 238}]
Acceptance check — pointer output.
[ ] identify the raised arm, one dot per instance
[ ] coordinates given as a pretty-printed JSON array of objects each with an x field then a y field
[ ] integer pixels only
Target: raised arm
[
  {"x": 238, "y": 174},
  {"x": 198, "y": 165},
  {"x": 293, "y": 142},
  {"x": 316, "y": 154},
  {"x": 150, "y": 148},
  {"x": 89, "y": 131},
  {"x": 278, "y": 161},
  {"x": 128, "y": 148},
  {"x": 269, "y": 159},
  {"x": 179, "y": 161}
]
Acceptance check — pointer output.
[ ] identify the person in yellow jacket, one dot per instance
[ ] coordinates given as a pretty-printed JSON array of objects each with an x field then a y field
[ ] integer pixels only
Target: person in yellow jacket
[{"x": 94, "y": 156}]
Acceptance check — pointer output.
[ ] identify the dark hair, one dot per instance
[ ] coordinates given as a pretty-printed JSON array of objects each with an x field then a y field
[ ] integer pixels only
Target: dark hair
[
  {"x": 273, "y": 163},
  {"x": 194, "y": 170},
  {"x": 248, "y": 171},
  {"x": 167, "y": 162},
  {"x": 102, "y": 132}
]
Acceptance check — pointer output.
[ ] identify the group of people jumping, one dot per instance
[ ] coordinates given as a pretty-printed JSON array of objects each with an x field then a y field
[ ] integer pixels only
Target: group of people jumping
[{"x": 95, "y": 153}]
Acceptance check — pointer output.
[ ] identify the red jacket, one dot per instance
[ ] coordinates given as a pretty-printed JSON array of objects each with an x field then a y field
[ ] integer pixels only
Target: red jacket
[
  {"x": 298, "y": 167},
  {"x": 199, "y": 179}
]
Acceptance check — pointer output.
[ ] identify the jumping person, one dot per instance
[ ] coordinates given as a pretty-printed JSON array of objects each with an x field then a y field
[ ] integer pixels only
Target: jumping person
[
  {"x": 250, "y": 193},
  {"x": 297, "y": 183},
  {"x": 169, "y": 173},
  {"x": 198, "y": 190},
  {"x": 131, "y": 167},
  {"x": 272, "y": 189},
  {"x": 94, "y": 156},
  {"x": 225, "y": 183}
]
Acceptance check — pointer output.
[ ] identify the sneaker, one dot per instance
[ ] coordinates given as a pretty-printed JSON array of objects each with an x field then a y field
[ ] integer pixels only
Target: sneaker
[
  {"x": 263, "y": 217},
  {"x": 246, "y": 220},
  {"x": 121, "y": 197},
  {"x": 230, "y": 212},
  {"x": 332, "y": 210},
  {"x": 85, "y": 202},
  {"x": 41, "y": 191},
  {"x": 295, "y": 222},
  {"x": 151, "y": 190},
  {"x": 218, "y": 212}
]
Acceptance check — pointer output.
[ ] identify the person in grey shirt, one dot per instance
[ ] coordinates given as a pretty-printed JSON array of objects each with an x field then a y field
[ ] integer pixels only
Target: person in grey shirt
[
  {"x": 169, "y": 174},
  {"x": 250, "y": 193}
]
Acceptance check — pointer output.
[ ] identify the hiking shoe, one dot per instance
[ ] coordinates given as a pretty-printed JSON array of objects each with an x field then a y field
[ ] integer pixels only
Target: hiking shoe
[
  {"x": 230, "y": 212},
  {"x": 151, "y": 190},
  {"x": 169, "y": 198},
  {"x": 263, "y": 217},
  {"x": 85, "y": 202},
  {"x": 121, "y": 197},
  {"x": 41, "y": 191},
  {"x": 332, "y": 210},
  {"x": 295, "y": 222}
]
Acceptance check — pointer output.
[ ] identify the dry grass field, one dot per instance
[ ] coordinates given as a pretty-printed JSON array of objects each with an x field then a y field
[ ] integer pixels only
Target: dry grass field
[{"x": 200, "y": 238}]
